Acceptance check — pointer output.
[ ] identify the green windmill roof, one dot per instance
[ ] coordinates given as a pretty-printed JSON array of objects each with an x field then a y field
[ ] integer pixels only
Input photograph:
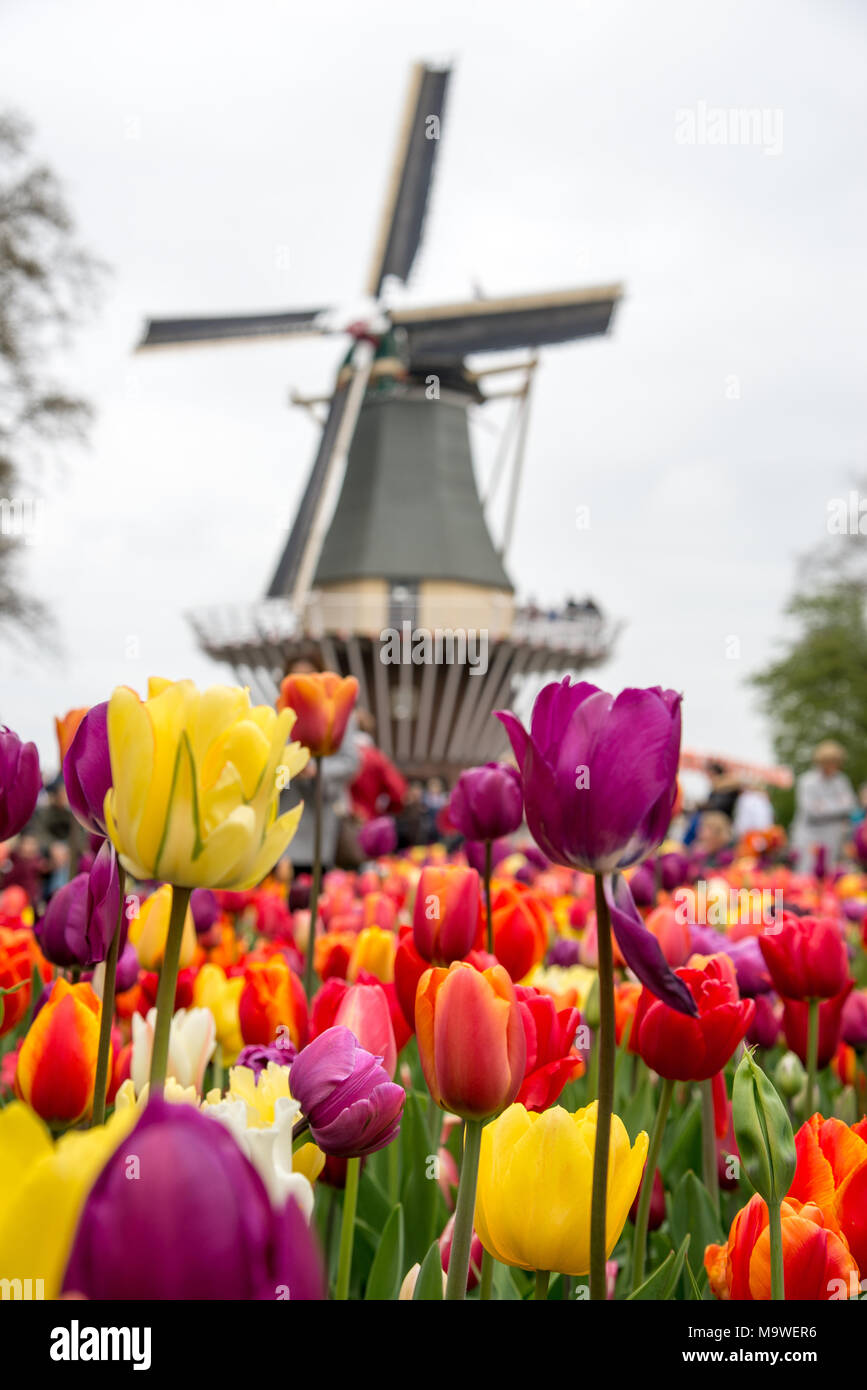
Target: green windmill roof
[{"x": 409, "y": 508}]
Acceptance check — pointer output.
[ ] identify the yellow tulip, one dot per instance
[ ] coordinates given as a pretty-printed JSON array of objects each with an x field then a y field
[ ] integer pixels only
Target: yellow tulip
[
  {"x": 213, "y": 990},
  {"x": 196, "y": 784},
  {"x": 534, "y": 1188},
  {"x": 374, "y": 951},
  {"x": 43, "y": 1187},
  {"x": 149, "y": 929}
]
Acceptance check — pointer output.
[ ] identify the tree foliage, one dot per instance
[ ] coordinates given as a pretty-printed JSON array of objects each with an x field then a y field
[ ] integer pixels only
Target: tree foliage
[
  {"x": 817, "y": 688},
  {"x": 47, "y": 282}
]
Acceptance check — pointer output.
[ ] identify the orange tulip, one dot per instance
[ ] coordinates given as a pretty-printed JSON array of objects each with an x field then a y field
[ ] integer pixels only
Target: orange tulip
[
  {"x": 272, "y": 1002},
  {"x": 57, "y": 1062},
  {"x": 66, "y": 729},
  {"x": 470, "y": 1039},
  {"x": 19, "y": 954},
  {"x": 832, "y": 1171},
  {"x": 815, "y": 1257},
  {"x": 626, "y": 997},
  {"x": 322, "y": 704}
]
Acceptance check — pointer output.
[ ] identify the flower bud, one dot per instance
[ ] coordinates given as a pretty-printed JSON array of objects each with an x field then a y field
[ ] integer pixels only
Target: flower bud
[
  {"x": 789, "y": 1075},
  {"x": 763, "y": 1131}
]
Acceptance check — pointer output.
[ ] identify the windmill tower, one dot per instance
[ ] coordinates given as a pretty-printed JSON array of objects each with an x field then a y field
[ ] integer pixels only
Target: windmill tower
[{"x": 398, "y": 581}]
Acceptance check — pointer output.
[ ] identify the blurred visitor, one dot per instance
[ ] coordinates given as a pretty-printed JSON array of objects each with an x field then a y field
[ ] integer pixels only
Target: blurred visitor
[
  {"x": 753, "y": 810},
  {"x": 824, "y": 802}
]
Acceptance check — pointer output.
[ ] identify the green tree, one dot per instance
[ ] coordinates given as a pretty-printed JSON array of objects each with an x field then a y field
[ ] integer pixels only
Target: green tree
[
  {"x": 817, "y": 688},
  {"x": 47, "y": 282}
]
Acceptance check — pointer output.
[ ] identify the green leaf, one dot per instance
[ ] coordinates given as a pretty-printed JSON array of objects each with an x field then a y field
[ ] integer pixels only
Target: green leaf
[
  {"x": 420, "y": 1195},
  {"x": 682, "y": 1146},
  {"x": 692, "y": 1213},
  {"x": 504, "y": 1286},
  {"x": 429, "y": 1285},
  {"x": 663, "y": 1281},
  {"x": 638, "y": 1112},
  {"x": 385, "y": 1273}
]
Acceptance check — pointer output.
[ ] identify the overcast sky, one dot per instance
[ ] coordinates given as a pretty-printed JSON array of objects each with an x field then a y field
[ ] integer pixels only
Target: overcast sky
[{"x": 233, "y": 156}]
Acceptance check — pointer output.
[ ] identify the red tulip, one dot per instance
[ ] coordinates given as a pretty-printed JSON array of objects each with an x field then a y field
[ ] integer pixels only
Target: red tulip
[
  {"x": 364, "y": 1010},
  {"x": 57, "y": 1062},
  {"x": 272, "y": 1002},
  {"x": 682, "y": 1048},
  {"x": 409, "y": 967},
  {"x": 447, "y": 919},
  {"x": 521, "y": 924},
  {"x": 795, "y": 1013},
  {"x": 549, "y": 1036},
  {"x": 806, "y": 957}
]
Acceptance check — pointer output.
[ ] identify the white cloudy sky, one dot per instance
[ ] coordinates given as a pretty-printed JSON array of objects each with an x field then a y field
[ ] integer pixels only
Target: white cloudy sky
[{"x": 232, "y": 156}]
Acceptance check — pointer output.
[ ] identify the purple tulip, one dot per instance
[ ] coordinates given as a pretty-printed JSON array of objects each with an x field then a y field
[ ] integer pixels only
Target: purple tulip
[
  {"x": 377, "y": 837},
  {"x": 859, "y": 840},
  {"x": 487, "y": 802},
  {"x": 87, "y": 769},
  {"x": 853, "y": 1026},
  {"x": 753, "y": 975},
  {"x": 475, "y": 853},
  {"x": 641, "y": 950},
  {"x": 565, "y": 951},
  {"x": 127, "y": 967},
  {"x": 81, "y": 918},
  {"x": 767, "y": 1021},
  {"x": 345, "y": 1095},
  {"x": 205, "y": 909},
  {"x": 642, "y": 885},
  {"x": 257, "y": 1056},
  {"x": 672, "y": 870},
  {"x": 600, "y": 782},
  {"x": 599, "y": 775},
  {"x": 707, "y": 941},
  {"x": 20, "y": 782},
  {"x": 196, "y": 1223}
]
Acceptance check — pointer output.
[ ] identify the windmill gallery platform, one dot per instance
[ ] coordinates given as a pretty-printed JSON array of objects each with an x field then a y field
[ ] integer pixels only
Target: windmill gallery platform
[{"x": 398, "y": 582}]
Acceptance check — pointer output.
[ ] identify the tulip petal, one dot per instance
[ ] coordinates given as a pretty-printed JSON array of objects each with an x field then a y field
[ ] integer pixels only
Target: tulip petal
[{"x": 641, "y": 950}]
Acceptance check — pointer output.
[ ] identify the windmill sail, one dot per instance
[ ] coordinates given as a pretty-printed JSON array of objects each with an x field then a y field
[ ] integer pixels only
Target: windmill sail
[
  {"x": 412, "y": 174},
  {"x": 286, "y": 573},
  {"x": 175, "y": 332},
  {"x": 497, "y": 325}
]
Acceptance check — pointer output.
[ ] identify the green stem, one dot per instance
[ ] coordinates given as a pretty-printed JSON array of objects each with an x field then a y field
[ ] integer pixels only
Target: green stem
[
  {"x": 488, "y": 847},
  {"x": 639, "y": 1247},
  {"x": 775, "y": 1227},
  {"x": 106, "y": 1011},
  {"x": 812, "y": 1054},
  {"x": 462, "y": 1237},
  {"x": 487, "y": 1280},
  {"x": 709, "y": 1162},
  {"x": 347, "y": 1229},
  {"x": 317, "y": 877},
  {"x": 541, "y": 1290},
  {"x": 605, "y": 1098},
  {"x": 167, "y": 988}
]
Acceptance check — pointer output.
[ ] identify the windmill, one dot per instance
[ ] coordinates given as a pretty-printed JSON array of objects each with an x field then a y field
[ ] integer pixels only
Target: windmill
[{"x": 399, "y": 581}]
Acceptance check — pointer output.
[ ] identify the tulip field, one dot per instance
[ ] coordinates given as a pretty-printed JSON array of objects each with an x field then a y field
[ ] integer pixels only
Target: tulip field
[{"x": 508, "y": 1066}]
